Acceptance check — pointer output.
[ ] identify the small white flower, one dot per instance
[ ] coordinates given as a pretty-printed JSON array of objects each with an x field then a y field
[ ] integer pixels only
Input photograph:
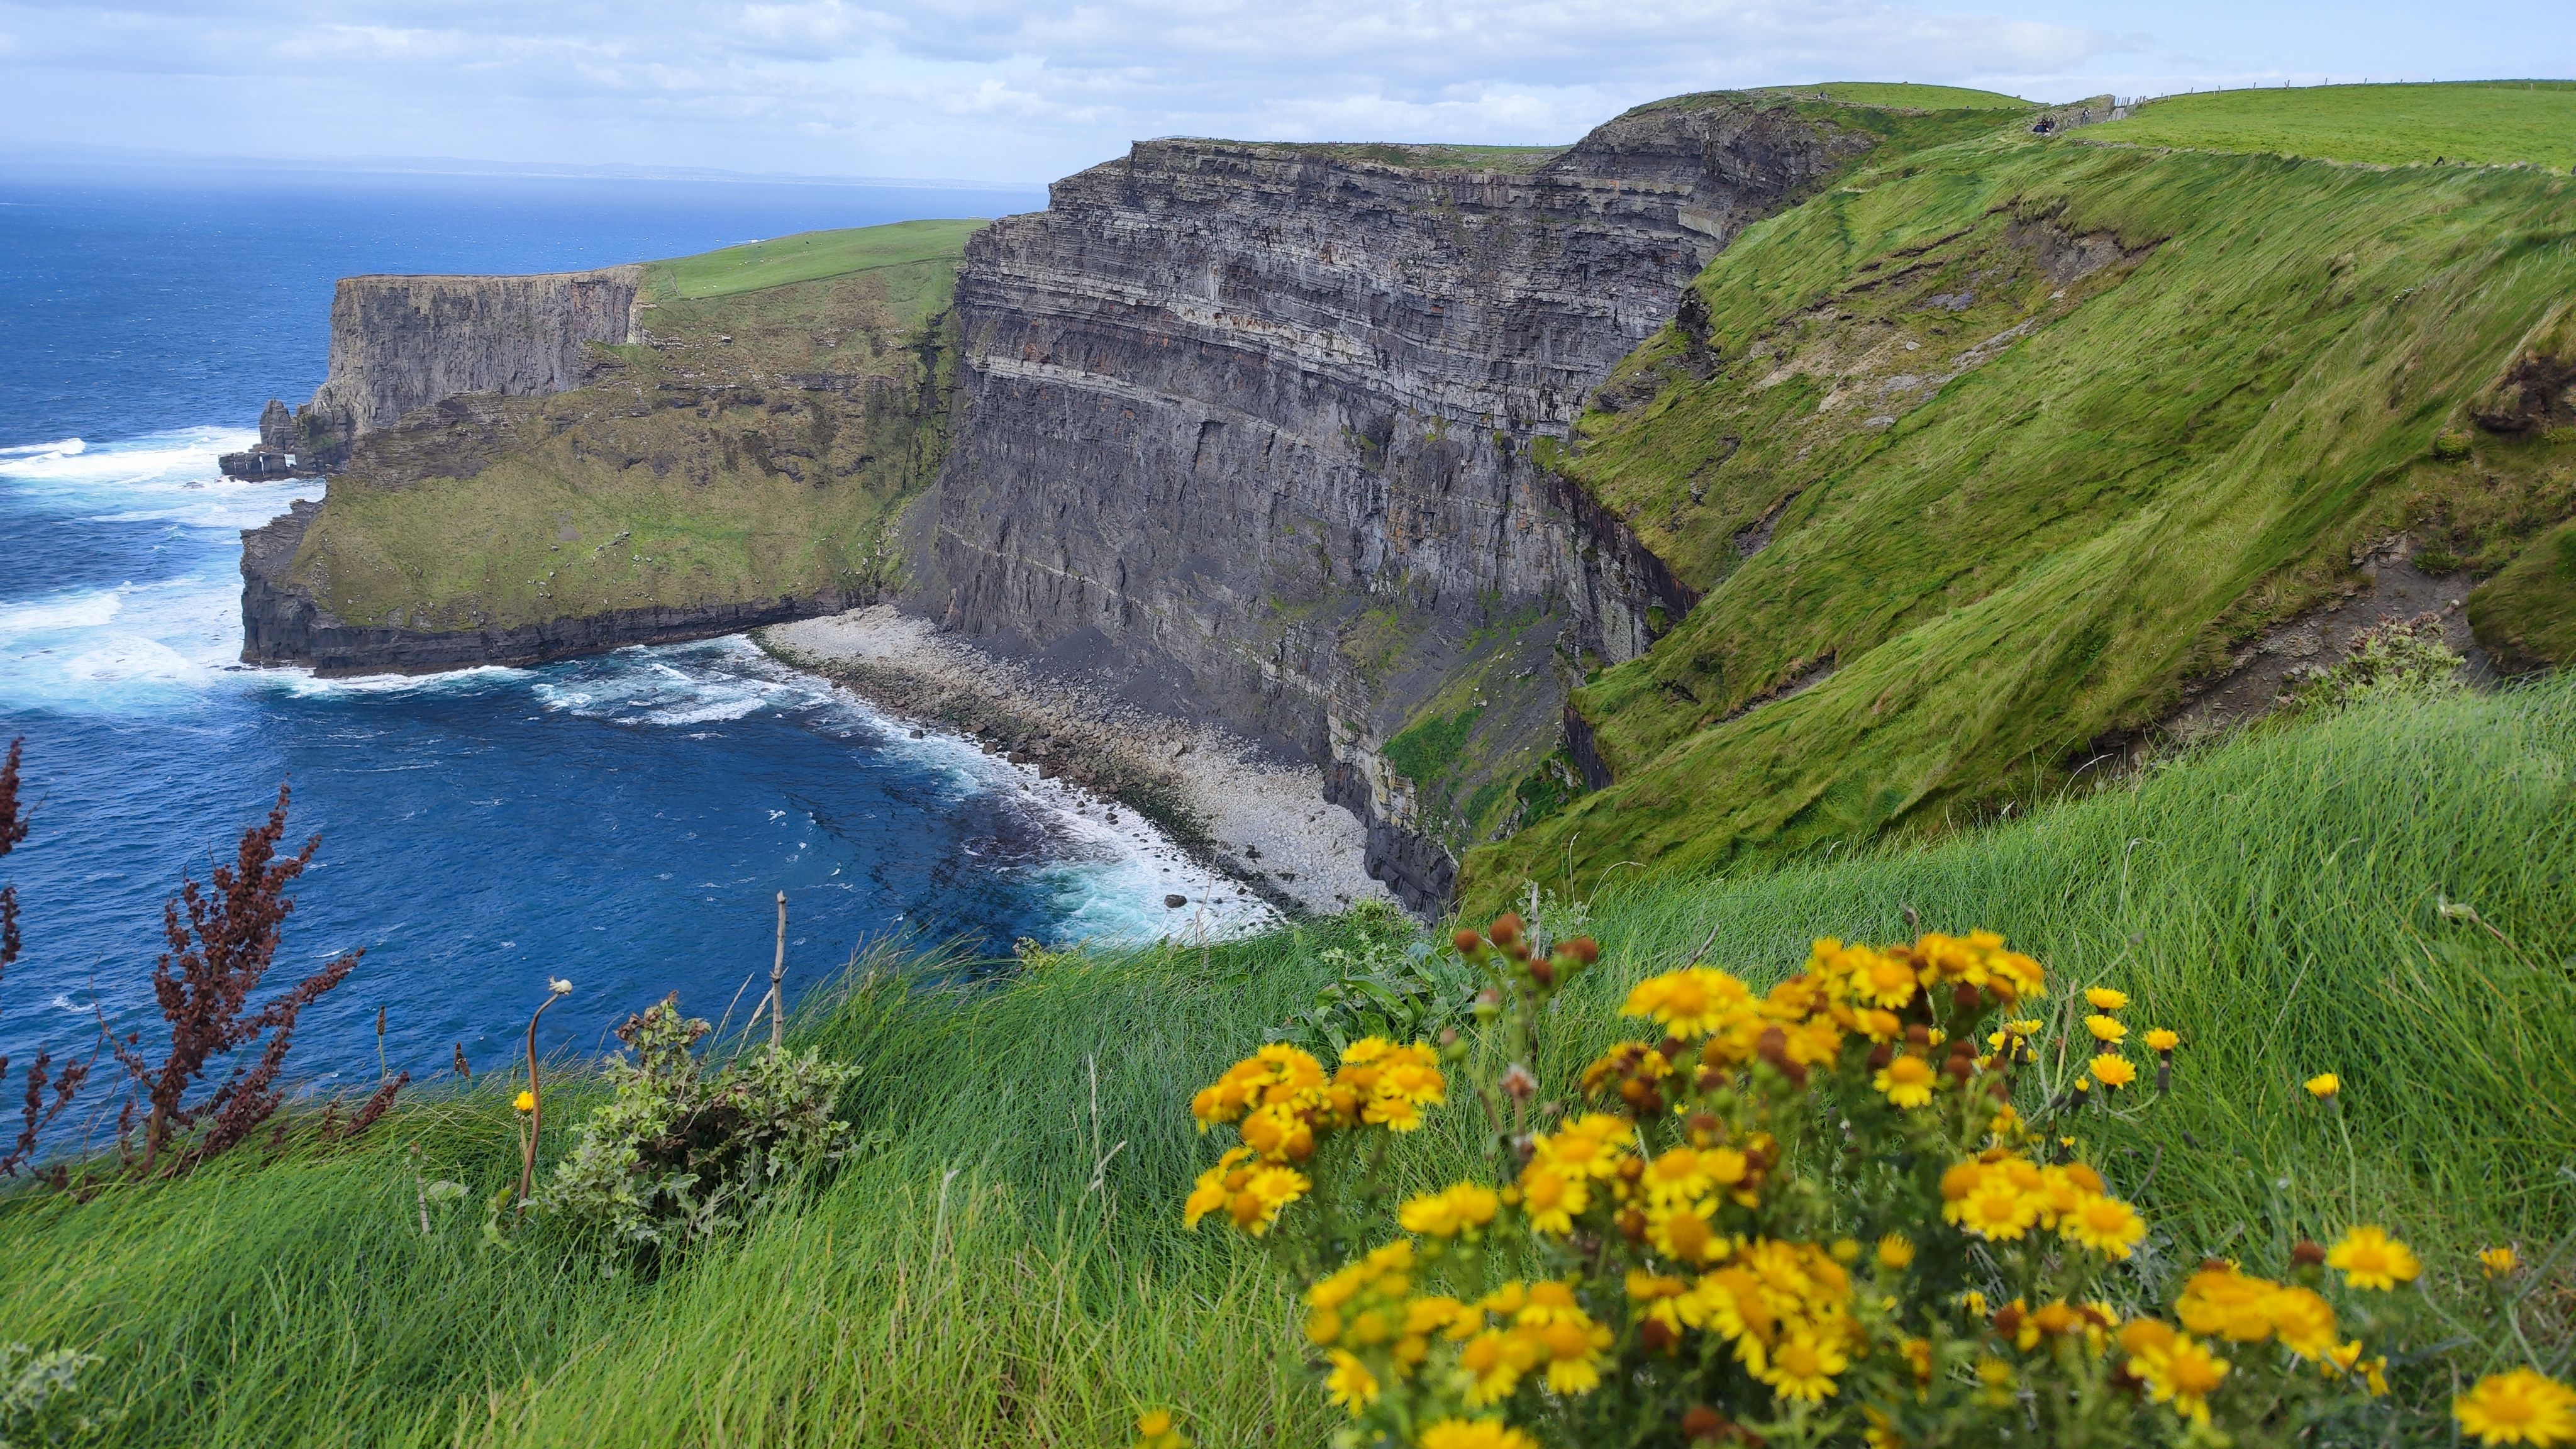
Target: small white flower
[{"x": 559, "y": 986}]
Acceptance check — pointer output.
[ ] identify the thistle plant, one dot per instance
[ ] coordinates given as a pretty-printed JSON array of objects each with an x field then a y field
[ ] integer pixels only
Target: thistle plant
[{"x": 1808, "y": 1216}]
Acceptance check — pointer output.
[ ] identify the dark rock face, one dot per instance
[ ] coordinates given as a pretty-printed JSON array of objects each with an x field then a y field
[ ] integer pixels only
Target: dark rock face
[
  {"x": 1247, "y": 431},
  {"x": 277, "y": 427},
  {"x": 282, "y": 624},
  {"x": 401, "y": 343}
]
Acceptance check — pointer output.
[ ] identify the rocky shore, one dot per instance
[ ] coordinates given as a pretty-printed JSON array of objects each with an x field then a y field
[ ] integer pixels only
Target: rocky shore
[{"x": 1259, "y": 819}]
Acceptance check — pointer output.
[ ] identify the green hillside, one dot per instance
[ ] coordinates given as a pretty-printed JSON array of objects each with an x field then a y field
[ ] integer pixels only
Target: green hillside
[
  {"x": 2492, "y": 123},
  {"x": 1997, "y": 445},
  {"x": 1003, "y": 1261},
  {"x": 1894, "y": 96},
  {"x": 792, "y": 398}
]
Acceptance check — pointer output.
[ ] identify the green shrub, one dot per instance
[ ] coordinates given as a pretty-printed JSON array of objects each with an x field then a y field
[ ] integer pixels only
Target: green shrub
[
  {"x": 40, "y": 1398},
  {"x": 2394, "y": 657},
  {"x": 679, "y": 1155}
]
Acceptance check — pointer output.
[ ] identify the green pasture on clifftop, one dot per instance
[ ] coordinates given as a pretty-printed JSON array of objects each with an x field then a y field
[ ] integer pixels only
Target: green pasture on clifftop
[{"x": 2481, "y": 123}]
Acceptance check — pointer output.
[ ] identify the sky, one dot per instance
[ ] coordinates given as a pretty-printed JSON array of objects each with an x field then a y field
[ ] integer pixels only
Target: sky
[{"x": 1016, "y": 91}]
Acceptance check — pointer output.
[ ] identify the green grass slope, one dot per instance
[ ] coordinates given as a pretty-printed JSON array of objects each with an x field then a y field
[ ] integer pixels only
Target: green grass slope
[
  {"x": 1004, "y": 1262},
  {"x": 1898, "y": 96},
  {"x": 1987, "y": 452},
  {"x": 2493, "y": 123},
  {"x": 810, "y": 256},
  {"x": 792, "y": 399}
]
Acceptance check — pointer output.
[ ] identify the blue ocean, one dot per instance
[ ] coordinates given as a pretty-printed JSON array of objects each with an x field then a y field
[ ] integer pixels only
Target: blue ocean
[{"x": 622, "y": 821}]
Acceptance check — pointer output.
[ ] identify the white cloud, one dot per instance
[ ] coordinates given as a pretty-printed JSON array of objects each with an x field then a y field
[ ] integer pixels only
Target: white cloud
[{"x": 999, "y": 89}]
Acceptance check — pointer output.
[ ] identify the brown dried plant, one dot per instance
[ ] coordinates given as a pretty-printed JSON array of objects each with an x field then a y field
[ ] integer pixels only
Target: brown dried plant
[
  {"x": 39, "y": 1111},
  {"x": 219, "y": 950}
]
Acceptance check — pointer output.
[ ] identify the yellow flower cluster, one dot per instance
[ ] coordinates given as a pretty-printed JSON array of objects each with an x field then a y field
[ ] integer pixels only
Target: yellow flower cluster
[
  {"x": 2221, "y": 1302},
  {"x": 1784, "y": 1307},
  {"x": 2109, "y": 1068},
  {"x": 1251, "y": 1191},
  {"x": 1372, "y": 1328},
  {"x": 2002, "y": 1195},
  {"x": 1282, "y": 1105},
  {"x": 1568, "y": 1166},
  {"x": 1461, "y": 1210}
]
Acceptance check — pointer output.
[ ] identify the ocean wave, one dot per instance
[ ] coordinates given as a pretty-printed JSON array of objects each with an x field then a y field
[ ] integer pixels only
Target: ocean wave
[
  {"x": 170, "y": 477},
  {"x": 64, "y": 446}
]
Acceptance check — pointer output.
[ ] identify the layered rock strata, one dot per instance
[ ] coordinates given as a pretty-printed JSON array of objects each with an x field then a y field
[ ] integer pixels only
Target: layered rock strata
[{"x": 1247, "y": 432}]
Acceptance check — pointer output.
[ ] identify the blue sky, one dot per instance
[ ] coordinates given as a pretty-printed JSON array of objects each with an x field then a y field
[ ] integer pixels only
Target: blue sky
[{"x": 1002, "y": 90}]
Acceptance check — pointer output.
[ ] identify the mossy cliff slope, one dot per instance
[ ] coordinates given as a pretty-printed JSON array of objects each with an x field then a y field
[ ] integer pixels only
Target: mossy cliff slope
[
  {"x": 1989, "y": 455},
  {"x": 741, "y": 454}
]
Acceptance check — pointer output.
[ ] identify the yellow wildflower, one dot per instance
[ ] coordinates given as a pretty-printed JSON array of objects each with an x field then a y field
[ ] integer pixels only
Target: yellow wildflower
[
  {"x": 2323, "y": 1085},
  {"x": 1693, "y": 1001},
  {"x": 2105, "y": 1028},
  {"x": 1266, "y": 1190},
  {"x": 1590, "y": 1145},
  {"x": 1678, "y": 1175},
  {"x": 2520, "y": 1407},
  {"x": 1997, "y": 1211},
  {"x": 1474, "y": 1434},
  {"x": 1895, "y": 1252},
  {"x": 2161, "y": 1040},
  {"x": 1492, "y": 1363},
  {"x": 1463, "y": 1207},
  {"x": 1217, "y": 1186},
  {"x": 1551, "y": 1195},
  {"x": 1155, "y": 1430},
  {"x": 2369, "y": 1258},
  {"x": 2106, "y": 999},
  {"x": 2105, "y": 1224},
  {"x": 2499, "y": 1262},
  {"x": 2177, "y": 1370},
  {"x": 1350, "y": 1384},
  {"x": 1803, "y": 1366},
  {"x": 2113, "y": 1070},
  {"x": 526, "y": 1101},
  {"x": 2304, "y": 1322},
  {"x": 1906, "y": 1080}
]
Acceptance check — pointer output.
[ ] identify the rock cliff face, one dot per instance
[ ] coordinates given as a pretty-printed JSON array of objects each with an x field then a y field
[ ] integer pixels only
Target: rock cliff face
[
  {"x": 402, "y": 343},
  {"x": 1248, "y": 430}
]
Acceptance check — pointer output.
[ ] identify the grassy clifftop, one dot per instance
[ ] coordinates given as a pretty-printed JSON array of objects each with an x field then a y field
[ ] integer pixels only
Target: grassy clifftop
[
  {"x": 2493, "y": 123},
  {"x": 790, "y": 396},
  {"x": 1986, "y": 452}
]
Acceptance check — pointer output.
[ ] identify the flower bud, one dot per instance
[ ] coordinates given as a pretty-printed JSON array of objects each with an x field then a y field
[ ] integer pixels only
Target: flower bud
[
  {"x": 1467, "y": 942},
  {"x": 1505, "y": 930},
  {"x": 1655, "y": 1336},
  {"x": 2306, "y": 1254},
  {"x": 1542, "y": 973},
  {"x": 1519, "y": 1083},
  {"x": 1583, "y": 949},
  {"x": 1703, "y": 1422}
]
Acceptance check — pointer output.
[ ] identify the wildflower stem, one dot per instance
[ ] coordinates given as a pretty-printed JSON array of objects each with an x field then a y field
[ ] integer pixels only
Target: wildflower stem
[
  {"x": 536, "y": 1104},
  {"x": 778, "y": 981}
]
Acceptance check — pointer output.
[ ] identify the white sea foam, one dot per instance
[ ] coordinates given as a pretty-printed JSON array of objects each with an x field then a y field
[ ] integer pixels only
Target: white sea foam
[{"x": 59, "y": 445}]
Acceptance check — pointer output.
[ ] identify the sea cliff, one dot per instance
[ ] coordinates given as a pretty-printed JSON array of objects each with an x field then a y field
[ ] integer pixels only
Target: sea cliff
[{"x": 1248, "y": 430}]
